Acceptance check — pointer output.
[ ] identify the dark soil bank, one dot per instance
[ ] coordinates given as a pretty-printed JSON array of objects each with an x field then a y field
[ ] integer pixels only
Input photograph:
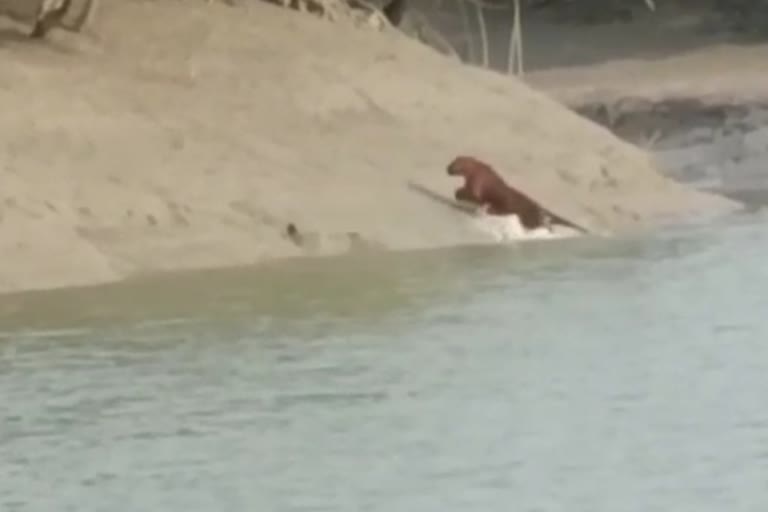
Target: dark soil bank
[{"x": 715, "y": 146}]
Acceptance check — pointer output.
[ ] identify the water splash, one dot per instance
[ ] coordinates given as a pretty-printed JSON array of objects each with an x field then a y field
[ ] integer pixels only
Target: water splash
[{"x": 508, "y": 228}]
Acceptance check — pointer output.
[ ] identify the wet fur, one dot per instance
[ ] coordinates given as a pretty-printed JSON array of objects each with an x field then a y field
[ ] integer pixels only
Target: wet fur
[{"x": 484, "y": 187}]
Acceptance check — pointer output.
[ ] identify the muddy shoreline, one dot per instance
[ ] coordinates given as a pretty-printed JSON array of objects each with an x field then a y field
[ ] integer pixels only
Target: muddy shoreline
[
  {"x": 177, "y": 154},
  {"x": 150, "y": 148},
  {"x": 685, "y": 82},
  {"x": 715, "y": 146}
]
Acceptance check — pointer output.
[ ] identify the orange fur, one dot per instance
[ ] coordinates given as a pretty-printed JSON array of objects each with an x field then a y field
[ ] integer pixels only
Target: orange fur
[{"x": 484, "y": 187}]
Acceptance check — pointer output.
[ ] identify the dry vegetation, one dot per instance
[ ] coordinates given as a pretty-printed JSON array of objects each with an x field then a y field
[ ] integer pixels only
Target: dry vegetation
[
  {"x": 44, "y": 15},
  {"x": 472, "y": 12}
]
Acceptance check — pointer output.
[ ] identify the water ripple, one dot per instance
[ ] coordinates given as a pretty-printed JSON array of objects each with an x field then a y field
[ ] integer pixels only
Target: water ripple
[{"x": 628, "y": 376}]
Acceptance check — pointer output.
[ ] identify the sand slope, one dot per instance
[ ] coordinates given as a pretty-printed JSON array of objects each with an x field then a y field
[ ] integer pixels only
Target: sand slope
[{"x": 184, "y": 135}]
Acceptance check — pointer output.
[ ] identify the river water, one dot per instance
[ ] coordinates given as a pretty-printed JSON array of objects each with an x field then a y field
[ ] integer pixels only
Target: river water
[{"x": 624, "y": 375}]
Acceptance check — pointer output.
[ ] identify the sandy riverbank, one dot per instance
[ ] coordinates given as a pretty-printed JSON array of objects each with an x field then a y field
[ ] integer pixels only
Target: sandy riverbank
[{"x": 185, "y": 135}]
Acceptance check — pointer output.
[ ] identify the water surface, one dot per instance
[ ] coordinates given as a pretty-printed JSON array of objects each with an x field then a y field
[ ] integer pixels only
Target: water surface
[{"x": 612, "y": 375}]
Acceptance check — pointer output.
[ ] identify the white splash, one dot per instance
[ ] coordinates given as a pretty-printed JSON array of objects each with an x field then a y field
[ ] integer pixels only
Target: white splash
[{"x": 507, "y": 228}]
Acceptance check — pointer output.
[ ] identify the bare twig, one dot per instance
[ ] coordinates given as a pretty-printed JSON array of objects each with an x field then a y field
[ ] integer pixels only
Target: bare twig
[
  {"x": 515, "y": 57},
  {"x": 483, "y": 32},
  {"x": 464, "y": 13}
]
